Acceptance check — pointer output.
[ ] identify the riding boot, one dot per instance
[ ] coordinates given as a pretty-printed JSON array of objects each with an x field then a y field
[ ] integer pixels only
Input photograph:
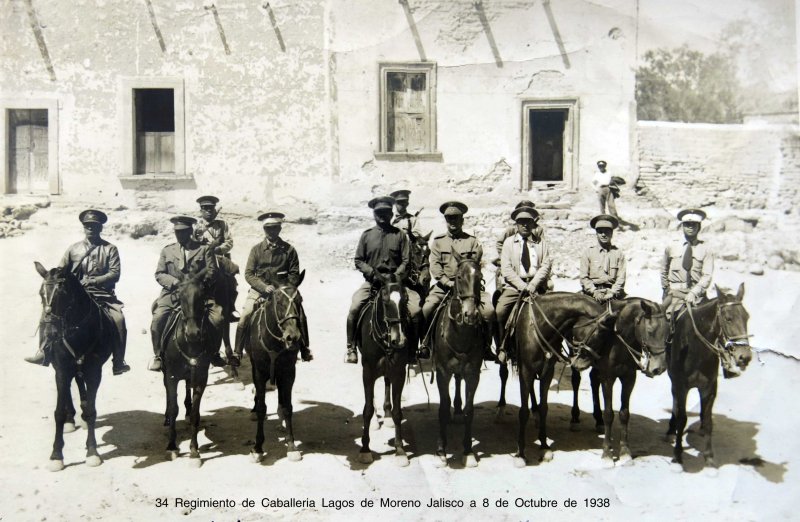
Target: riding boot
[
  {"x": 232, "y": 315},
  {"x": 424, "y": 351},
  {"x": 238, "y": 344},
  {"x": 352, "y": 354},
  {"x": 413, "y": 342},
  {"x": 155, "y": 364},
  {"x": 502, "y": 355},
  {"x": 41, "y": 357},
  {"x": 216, "y": 358},
  {"x": 488, "y": 354},
  {"x": 118, "y": 365}
]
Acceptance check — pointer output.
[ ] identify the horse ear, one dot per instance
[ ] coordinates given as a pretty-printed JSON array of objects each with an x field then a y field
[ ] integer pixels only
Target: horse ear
[
  {"x": 41, "y": 269},
  {"x": 647, "y": 307},
  {"x": 427, "y": 236},
  {"x": 720, "y": 293},
  {"x": 740, "y": 292},
  {"x": 302, "y": 276}
]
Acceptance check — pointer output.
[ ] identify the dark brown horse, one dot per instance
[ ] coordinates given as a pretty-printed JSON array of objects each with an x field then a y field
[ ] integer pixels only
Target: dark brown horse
[
  {"x": 705, "y": 335},
  {"x": 543, "y": 322},
  {"x": 458, "y": 341},
  {"x": 638, "y": 344},
  {"x": 188, "y": 338},
  {"x": 272, "y": 340},
  {"x": 382, "y": 341},
  {"x": 79, "y": 336}
]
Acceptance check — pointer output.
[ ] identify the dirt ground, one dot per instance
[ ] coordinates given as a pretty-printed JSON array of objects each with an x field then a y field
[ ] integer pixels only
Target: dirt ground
[{"x": 755, "y": 426}]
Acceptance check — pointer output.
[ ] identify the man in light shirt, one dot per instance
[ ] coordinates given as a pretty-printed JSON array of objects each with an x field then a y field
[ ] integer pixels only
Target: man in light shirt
[
  {"x": 602, "y": 265},
  {"x": 525, "y": 264},
  {"x": 602, "y": 183}
]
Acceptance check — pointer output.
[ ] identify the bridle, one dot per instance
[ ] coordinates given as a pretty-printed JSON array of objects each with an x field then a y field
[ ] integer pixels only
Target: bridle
[
  {"x": 474, "y": 296},
  {"x": 59, "y": 320},
  {"x": 724, "y": 341},
  {"x": 382, "y": 336},
  {"x": 583, "y": 345},
  {"x": 641, "y": 358},
  {"x": 291, "y": 312}
]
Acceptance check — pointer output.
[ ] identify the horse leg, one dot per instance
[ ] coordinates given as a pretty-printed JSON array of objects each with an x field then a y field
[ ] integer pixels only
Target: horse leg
[
  {"x": 457, "y": 402},
  {"x": 501, "y": 403},
  {"x": 576, "y": 411},
  {"x": 368, "y": 378},
  {"x": 187, "y": 401},
  {"x": 597, "y": 412},
  {"x": 194, "y": 447},
  {"x": 443, "y": 383},
  {"x": 69, "y": 421},
  {"x": 398, "y": 380},
  {"x": 544, "y": 388},
  {"x": 525, "y": 386},
  {"x": 260, "y": 410},
  {"x": 628, "y": 382},
  {"x": 707, "y": 396},
  {"x": 608, "y": 419},
  {"x": 388, "y": 414},
  {"x": 89, "y": 413},
  {"x": 534, "y": 406},
  {"x": 171, "y": 385},
  {"x": 63, "y": 384},
  {"x": 285, "y": 384},
  {"x": 679, "y": 414},
  {"x": 470, "y": 385}
]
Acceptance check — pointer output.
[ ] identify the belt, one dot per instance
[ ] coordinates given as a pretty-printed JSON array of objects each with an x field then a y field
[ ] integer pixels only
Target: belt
[
  {"x": 527, "y": 279},
  {"x": 603, "y": 285}
]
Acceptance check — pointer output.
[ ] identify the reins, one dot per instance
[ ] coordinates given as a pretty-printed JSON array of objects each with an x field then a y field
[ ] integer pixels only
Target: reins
[
  {"x": 641, "y": 358},
  {"x": 729, "y": 341}
]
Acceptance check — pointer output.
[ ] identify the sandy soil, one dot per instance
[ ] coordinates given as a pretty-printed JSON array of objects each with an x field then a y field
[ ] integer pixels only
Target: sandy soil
[{"x": 755, "y": 425}]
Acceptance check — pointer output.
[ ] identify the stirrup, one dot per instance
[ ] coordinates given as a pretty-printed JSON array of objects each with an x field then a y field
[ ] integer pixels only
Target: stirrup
[
  {"x": 40, "y": 358},
  {"x": 155, "y": 364}
]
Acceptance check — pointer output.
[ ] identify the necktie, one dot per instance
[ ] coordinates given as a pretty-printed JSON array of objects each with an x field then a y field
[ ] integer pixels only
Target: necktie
[
  {"x": 526, "y": 256},
  {"x": 687, "y": 264},
  {"x": 606, "y": 262}
]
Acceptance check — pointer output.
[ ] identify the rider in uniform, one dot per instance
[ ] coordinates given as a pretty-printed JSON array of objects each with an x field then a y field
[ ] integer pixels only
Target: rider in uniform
[
  {"x": 271, "y": 263},
  {"x": 385, "y": 246},
  {"x": 215, "y": 233},
  {"x": 602, "y": 265},
  {"x": 178, "y": 261},
  {"x": 444, "y": 267},
  {"x": 96, "y": 264}
]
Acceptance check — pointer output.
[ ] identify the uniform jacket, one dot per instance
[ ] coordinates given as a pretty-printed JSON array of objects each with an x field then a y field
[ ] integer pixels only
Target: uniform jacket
[
  {"x": 510, "y": 262},
  {"x": 266, "y": 260},
  {"x": 379, "y": 246},
  {"x": 511, "y": 230},
  {"x": 602, "y": 267},
  {"x": 172, "y": 266},
  {"x": 673, "y": 275},
  {"x": 443, "y": 265},
  {"x": 215, "y": 234},
  {"x": 102, "y": 263},
  {"x": 407, "y": 222}
]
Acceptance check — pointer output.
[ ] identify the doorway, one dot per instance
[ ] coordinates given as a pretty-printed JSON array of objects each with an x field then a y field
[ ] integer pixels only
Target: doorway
[
  {"x": 549, "y": 128},
  {"x": 28, "y": 158}
]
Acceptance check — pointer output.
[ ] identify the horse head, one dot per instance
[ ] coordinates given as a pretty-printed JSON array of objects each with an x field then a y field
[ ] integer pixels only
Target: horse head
[
  {"x": 650, "y": 331},
  {"x": 420, "y": 259},
  {"x": 593, "y": 334},
  {"x": 467, "y": 288},
  {"x": 191, "y": 296},
  {"x": 58, "y": 291},
  {"x": 286, "y": 301},
  {"x": 732, "y": 318},
  {"x": 391, "y": 301}
]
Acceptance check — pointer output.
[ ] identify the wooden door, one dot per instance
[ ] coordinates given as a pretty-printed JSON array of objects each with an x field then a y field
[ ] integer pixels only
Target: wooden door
[
  {"x": 28, "y": 151},
  {"x": 407, "y": 118}
]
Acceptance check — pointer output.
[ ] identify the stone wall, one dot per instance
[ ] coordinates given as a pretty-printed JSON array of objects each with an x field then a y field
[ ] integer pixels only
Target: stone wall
[{"x": 729, "y": 166}]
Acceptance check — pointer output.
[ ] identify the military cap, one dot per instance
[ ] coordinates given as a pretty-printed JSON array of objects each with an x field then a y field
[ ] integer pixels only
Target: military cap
[
  {"x": 183, "y": 222},
  {"x": 524, "y": 212},
  {"x": 453, "y": 208},
  {"x": 381, "y": 203},
  {"x": 271, "y": 218},
  {"x": 209, "y": 201},
  {"x": 525, "y": 203},
  {"x": 400, "y": 195},
  {"x": 601, "y": 163},
  {"x": 691, "y": 215},
  {"x": 604, "y": 221},
  {"x": 92, "y": 216}
]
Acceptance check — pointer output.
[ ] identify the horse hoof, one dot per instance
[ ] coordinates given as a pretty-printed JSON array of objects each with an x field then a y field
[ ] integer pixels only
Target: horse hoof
[
  {"x": 676, "y": 467},
  {"x": 574, "y": 426},
  {"x": 710, "y": 471},
  {"x": 55, "y": 465},
  {"x": 440, "y": 462},
  {"x": 365, "y": 457},
  {"x": 412, "y": 373},
  {"x": 401, "y": 461},
  {"x": 69, "y": 427},
  {"x": 172, "y": 455},
  {"x": 255, "y": 457},
  {"x": 388, "y": 422},
  {"x": 520, "y": 462},
  {"x": 93, "y": 461},
  {"x": 470, "y": 461},
  {"x": 195, "y": 462},
  {"x": 294, "y": 456},
  {"x": 607, "y": 462},
  {"x": 625, "y": 459},
  {"x": 547, "y": 456}
]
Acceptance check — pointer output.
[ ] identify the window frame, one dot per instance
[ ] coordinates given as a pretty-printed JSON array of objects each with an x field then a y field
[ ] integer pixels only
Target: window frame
[
  {"x": 429, "y": 68},
  {"x": 570, "y": 146},
  {"x": 49, "y": 104},
  {"x": 127, "y": 125}
]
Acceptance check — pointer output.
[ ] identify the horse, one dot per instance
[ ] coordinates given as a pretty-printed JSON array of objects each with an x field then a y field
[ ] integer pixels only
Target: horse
[
  {"x": 382, "y": 342},
  {"x": 543, "y": 322},
  {"x": 419, "y": 266},
  {"x": 705, "y": 335},
  {"x": 272, "y": 339},
  {"x": 639, "y": 343},
  {"x": 458, "y": 342},
  {"x": 79, "y": 336},
  {"x": 188, "y": 339}
]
